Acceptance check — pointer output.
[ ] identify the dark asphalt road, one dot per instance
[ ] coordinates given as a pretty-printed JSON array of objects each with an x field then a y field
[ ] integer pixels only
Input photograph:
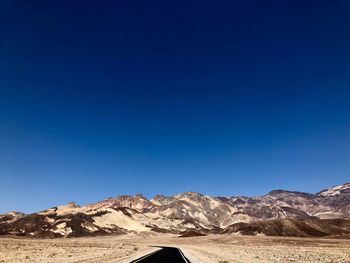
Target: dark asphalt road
[{"x": 165, "y": 255}]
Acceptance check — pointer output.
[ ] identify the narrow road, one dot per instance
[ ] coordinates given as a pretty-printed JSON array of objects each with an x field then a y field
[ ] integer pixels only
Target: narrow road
[{"x": 165, "y": 255}]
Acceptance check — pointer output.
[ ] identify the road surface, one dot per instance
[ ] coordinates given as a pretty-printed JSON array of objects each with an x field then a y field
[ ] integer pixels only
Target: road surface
[{"x": 165, "y": 255}]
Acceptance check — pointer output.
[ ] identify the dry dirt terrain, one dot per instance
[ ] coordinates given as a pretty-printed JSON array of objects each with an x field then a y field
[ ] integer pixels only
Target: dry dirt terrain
[{"x": 214, "y": 248}]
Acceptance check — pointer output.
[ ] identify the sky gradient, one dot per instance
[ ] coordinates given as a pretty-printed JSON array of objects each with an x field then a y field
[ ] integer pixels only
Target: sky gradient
[{"x": 102, "y": 98}]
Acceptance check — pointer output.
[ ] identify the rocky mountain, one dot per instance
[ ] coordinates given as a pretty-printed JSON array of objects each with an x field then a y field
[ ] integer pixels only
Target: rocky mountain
[
  {"x": 336, "y": 191},
  {"x": 279, "y": 212},
  {"x": 310, "y": 227}
]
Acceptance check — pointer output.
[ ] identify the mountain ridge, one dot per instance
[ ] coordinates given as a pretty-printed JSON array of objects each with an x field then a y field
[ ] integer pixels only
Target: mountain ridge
[{"x": 190, "y": 212}]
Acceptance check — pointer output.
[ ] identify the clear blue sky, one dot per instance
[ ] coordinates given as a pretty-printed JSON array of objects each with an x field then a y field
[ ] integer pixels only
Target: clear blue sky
[{"x": 101, "y": 98}]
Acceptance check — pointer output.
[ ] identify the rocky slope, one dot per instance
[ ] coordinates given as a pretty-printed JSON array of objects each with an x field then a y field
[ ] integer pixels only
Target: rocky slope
[
  {"x": 279, "y": 212},
  {"x": 310, "y": 227}
]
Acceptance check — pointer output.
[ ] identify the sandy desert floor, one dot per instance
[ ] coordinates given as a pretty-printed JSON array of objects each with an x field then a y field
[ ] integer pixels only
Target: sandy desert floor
[{"x": 214, "y": 249}]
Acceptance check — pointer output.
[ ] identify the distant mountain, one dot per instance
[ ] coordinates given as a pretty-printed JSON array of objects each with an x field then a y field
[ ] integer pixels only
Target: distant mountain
[{"x": 279, "y": 212}]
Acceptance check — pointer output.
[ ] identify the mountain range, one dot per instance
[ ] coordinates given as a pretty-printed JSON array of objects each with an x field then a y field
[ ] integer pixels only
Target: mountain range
[{"x": 278, "y": 213}]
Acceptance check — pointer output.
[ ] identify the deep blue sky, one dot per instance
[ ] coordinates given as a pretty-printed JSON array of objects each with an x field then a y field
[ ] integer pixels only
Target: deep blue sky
[{"x": 101, "y": 98}]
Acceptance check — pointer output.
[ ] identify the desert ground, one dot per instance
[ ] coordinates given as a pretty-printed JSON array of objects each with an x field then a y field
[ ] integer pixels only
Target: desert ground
[{"x": 213, "y": 248}]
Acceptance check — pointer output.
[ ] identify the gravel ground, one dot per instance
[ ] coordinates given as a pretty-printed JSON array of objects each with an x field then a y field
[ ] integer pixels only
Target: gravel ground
[{"x": 214, "y": 248}]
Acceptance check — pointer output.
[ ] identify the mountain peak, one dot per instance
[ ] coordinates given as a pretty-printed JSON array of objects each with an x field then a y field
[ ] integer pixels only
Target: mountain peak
[
  {"x": 191, "y": 194},
  {"x": 136, "y": 196},
  {"x": 158, "y": 196},
  {"x": 336, "y": 190},
  {"x": 73, "y": 205}
]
